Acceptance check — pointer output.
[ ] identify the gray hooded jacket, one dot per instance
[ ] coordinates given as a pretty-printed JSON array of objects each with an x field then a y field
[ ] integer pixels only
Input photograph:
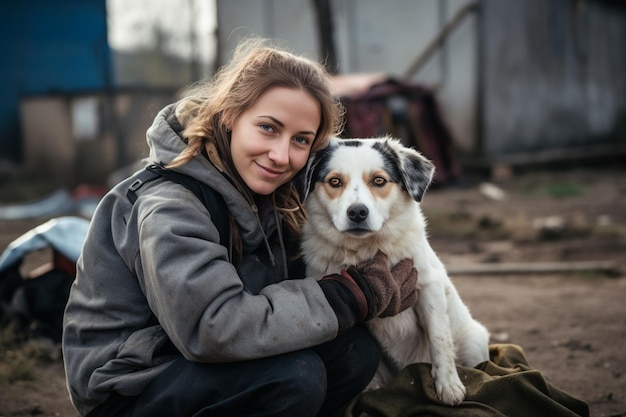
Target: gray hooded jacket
[{"x": 153, "y": 276}]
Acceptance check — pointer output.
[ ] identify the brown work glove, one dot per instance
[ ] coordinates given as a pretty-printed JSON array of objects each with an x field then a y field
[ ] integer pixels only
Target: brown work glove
[
  {"x": 393, "y": 290},
  {"x": 371, "y": 290}
]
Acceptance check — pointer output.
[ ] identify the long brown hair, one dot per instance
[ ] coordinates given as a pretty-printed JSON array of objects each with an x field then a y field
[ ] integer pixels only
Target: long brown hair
[{"x": 257, "y": 65}]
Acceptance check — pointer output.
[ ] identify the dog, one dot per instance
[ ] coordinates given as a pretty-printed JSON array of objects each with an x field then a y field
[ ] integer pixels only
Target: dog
[{"x": 363, "y": 195}]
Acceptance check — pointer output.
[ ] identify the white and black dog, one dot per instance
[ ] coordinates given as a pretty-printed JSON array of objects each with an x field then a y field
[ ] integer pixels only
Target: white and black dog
[{"x": 364, "y": 196}]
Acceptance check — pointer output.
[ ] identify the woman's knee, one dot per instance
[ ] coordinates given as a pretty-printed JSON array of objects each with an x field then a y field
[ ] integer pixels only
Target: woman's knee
[
  {"x": 353, "y": 356},
  {"x": 300, "y": 385},
  {"x": 366, "y": 351},
  {"x": 351, "y": 361}
]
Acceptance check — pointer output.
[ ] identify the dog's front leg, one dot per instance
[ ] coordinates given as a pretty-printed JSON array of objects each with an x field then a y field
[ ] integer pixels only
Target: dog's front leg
[{"x": 432, "y": 310}]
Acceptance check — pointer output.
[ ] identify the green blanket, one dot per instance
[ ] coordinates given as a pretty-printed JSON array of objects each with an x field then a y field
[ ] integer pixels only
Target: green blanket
[{"x": 504, "y": 386}]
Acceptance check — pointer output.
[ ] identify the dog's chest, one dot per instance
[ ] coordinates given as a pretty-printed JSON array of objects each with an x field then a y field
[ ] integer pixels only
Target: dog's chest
[{"x": 332, "y": 259}]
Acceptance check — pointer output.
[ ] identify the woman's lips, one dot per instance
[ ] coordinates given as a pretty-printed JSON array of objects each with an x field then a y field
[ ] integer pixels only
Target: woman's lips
[{"x": 268, "y": 172}]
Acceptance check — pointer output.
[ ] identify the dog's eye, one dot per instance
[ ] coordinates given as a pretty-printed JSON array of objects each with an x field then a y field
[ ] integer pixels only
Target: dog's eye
[
  {"x": 379, "y": 181},
  {"x": 335, "y": 182}
]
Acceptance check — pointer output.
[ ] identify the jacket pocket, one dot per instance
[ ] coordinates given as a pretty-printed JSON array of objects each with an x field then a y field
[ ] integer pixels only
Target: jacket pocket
[{"x": 142, "y": 357}]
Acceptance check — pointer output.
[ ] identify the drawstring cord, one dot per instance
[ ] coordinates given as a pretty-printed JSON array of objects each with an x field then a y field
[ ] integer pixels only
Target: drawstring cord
[
  {"x": 282, "y": 246},
  {"x": 255, "y": 209},
  {"x": 279, "y": 230}
]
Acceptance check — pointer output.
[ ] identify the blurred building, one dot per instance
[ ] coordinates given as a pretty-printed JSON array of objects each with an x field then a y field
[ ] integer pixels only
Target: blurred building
[
  {"x": 72, "y": 110},
  {"x": 49, "y": 50},
  {"x": 517, "y": 80}
]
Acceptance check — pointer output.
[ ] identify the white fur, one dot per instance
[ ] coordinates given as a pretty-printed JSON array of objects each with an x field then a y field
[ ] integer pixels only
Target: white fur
[{"x": 439, "y": 329}]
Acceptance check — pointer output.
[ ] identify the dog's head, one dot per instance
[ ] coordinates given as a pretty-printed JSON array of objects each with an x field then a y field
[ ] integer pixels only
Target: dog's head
[{"x": 358, "y": 183}]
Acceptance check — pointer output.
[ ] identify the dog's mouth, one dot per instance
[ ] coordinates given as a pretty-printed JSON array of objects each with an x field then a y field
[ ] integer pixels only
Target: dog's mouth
[{"x": 358, "y": 231}]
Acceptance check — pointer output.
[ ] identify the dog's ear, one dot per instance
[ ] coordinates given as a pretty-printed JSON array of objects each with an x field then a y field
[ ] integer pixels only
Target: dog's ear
[
  {"x": 417, "y": 172},
  {"x": 301, "y": 180},
  {"x": 307, "y": 174},
  {"x": 310, "y": 174}
]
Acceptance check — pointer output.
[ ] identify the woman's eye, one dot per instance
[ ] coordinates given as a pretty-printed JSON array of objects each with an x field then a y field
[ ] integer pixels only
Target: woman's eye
[
  {"x": 379, "y": 181},
  {"x": 335, "y": 182},
  {"x": 301, "y": 140},
  {"x": 267, "y": 128}
]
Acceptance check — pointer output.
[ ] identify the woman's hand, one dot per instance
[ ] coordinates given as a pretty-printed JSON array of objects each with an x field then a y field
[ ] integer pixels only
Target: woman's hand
[
  {"x": 371, "y": 289},
  {"x": 391, "y": 290}
]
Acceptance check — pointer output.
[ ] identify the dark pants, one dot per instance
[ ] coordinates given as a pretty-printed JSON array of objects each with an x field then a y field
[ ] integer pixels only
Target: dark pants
[{"x": 310, "y": 382}]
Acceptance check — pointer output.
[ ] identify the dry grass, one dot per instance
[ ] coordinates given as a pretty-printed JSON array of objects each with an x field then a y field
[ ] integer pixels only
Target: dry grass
[{"x": 20, "y": 356}]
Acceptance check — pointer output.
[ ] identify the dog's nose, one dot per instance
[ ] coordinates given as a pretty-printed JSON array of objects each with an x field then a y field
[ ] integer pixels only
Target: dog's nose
[{"x": 358, "y": 212}]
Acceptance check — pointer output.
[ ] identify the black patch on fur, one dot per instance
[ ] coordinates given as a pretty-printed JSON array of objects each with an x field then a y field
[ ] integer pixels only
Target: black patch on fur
[
  {"x": 413, "y": 172},
  {"x": 317, "y": 167},
  {"x": 350, "y": 142},
  {"x": 392, "y": 161}
]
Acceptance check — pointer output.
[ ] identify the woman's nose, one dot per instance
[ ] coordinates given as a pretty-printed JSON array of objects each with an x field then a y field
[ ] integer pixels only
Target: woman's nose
[{"x": 279, "y": 152}]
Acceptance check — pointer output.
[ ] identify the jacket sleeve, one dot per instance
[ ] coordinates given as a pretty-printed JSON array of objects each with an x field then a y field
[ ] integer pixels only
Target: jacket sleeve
[{"x": 199, "y": 299}]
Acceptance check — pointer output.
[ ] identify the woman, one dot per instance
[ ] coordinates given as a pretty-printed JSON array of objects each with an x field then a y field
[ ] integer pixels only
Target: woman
[{"x": 164, "y": 320}]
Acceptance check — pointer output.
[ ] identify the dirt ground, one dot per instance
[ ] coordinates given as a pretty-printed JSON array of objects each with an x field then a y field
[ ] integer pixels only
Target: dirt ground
[{"x": 571, "y": 322}]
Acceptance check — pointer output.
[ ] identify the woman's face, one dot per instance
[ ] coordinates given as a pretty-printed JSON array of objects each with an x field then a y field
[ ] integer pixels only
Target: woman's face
[{"x": 271, "y": 140}]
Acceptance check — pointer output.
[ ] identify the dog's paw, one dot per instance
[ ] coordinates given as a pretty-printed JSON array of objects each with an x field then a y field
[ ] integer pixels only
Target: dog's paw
[{"x": 451, "y": 391}]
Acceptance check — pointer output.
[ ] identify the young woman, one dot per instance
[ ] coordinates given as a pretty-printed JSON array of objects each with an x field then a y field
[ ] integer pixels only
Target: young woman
[{"x": 164, "y": 320}]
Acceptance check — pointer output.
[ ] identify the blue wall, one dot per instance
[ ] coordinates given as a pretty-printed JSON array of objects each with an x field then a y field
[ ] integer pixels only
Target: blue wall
[{"x": 48, "y": 47}]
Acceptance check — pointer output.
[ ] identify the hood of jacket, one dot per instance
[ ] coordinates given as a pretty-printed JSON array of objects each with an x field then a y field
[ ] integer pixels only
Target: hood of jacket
[{"x": 166, "y": 144}]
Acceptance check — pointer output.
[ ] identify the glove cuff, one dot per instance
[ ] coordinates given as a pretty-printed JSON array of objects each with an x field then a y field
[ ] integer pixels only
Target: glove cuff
[
  {"x": 347, "y": 281},
  {"x": 369, "y": 294}
]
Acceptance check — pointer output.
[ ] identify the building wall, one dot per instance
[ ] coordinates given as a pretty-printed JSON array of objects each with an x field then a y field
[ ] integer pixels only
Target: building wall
[
  {"x": 514, "y": 77},
  {"x": 291, "y": 21},
  {"x": 555, "y": 75},
  {"x": 84, "y": 138},
  {"x": 373, "y": 36},
  {"x": 49, "y": 47}
]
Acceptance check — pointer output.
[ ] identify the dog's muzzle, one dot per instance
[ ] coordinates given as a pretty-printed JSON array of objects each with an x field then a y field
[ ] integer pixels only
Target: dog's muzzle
[{"x": 357, "y": 214}]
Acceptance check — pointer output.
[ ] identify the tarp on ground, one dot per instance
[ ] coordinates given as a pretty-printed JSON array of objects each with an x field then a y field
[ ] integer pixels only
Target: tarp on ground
[{"x": 66, "y": 235}]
